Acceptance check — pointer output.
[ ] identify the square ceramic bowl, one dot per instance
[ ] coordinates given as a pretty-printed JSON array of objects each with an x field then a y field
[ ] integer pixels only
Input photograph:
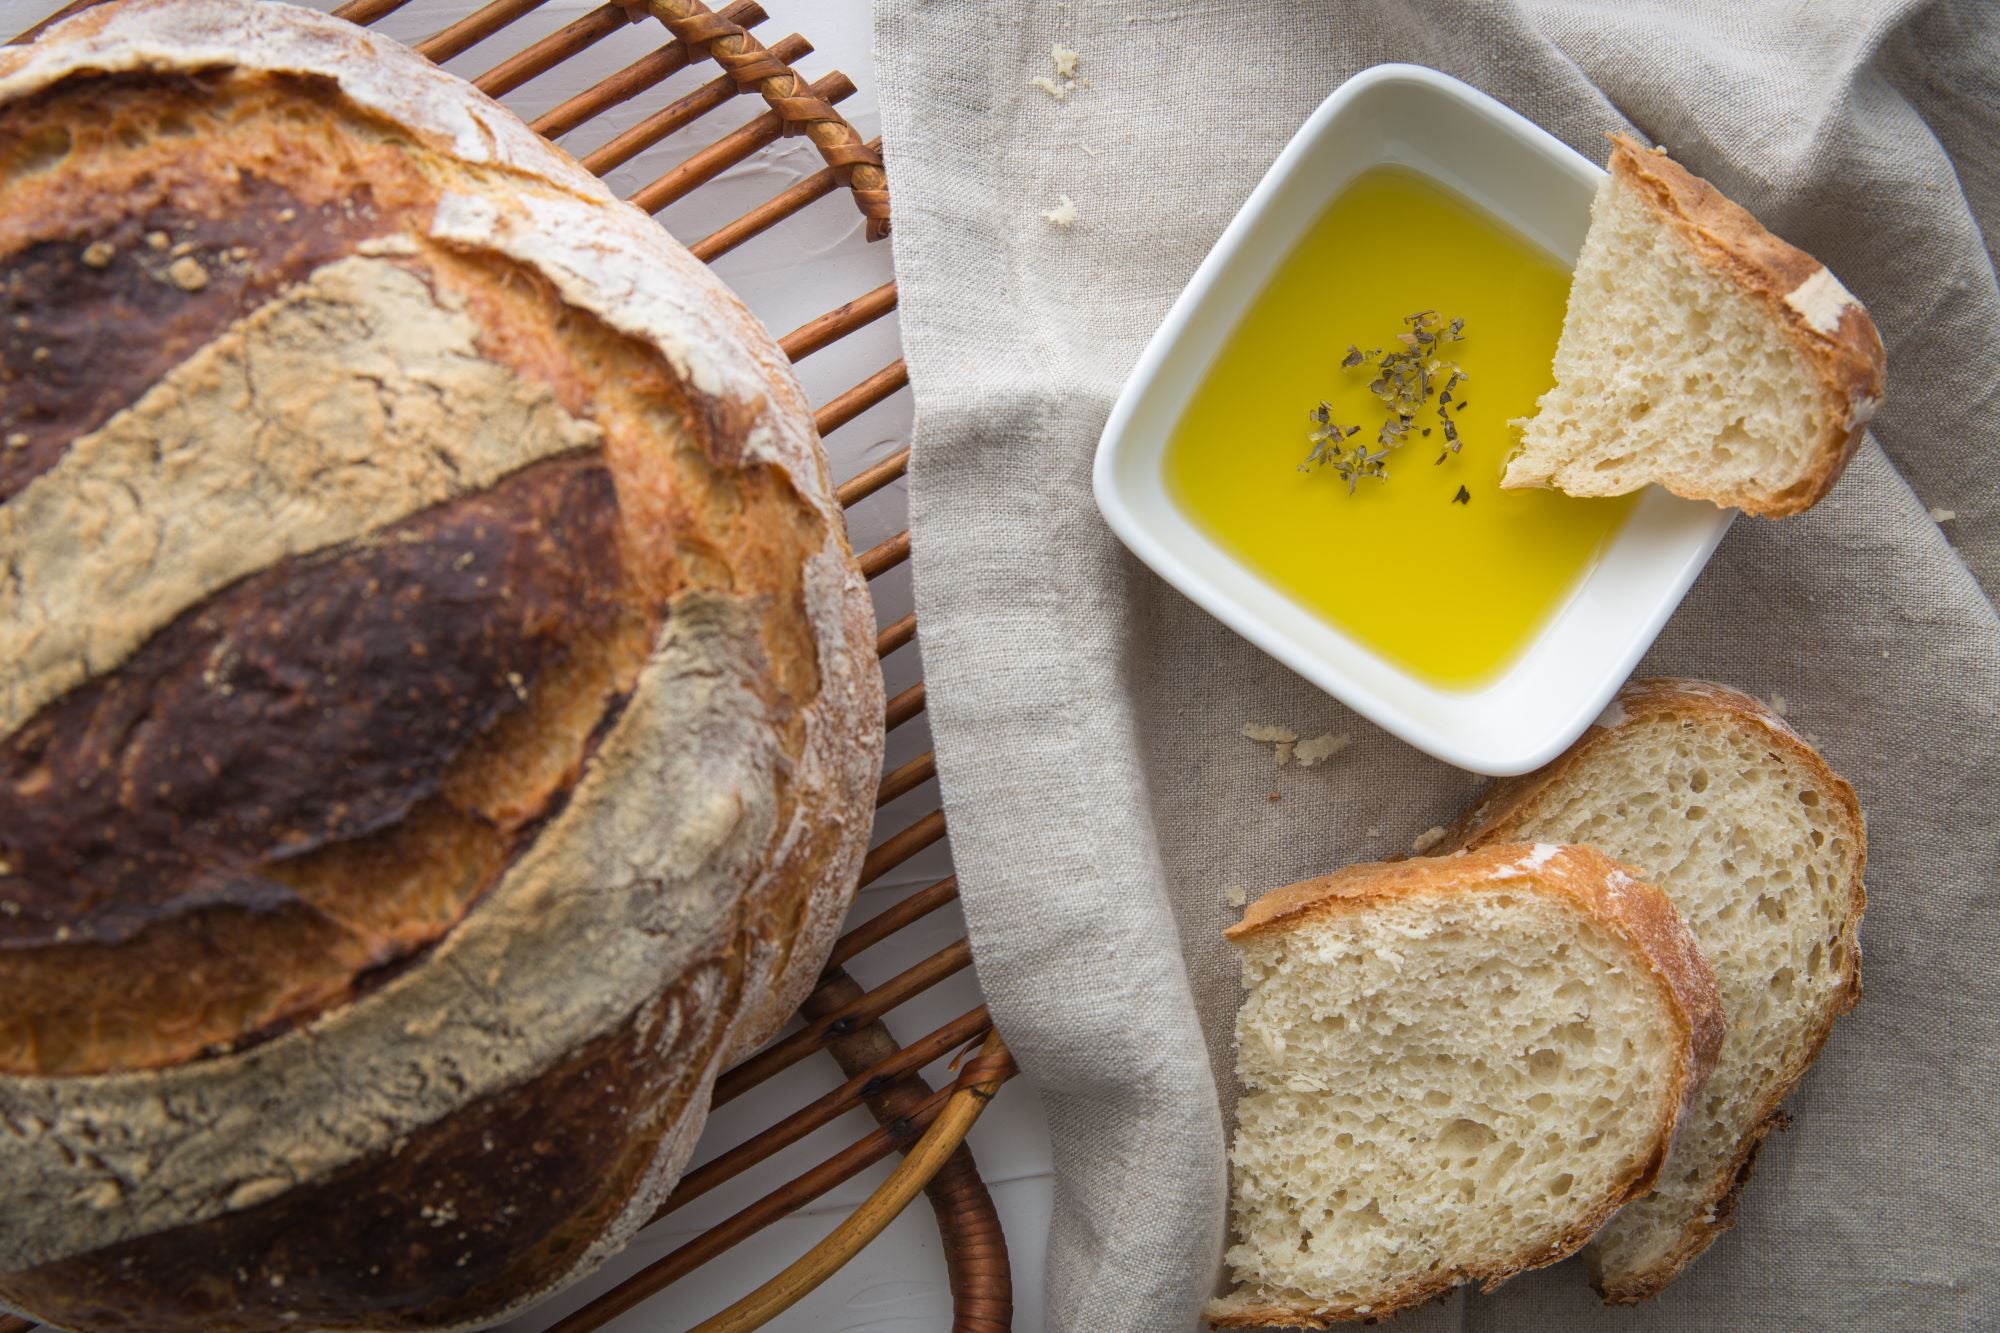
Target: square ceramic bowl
[{"x": 1441, "y": 128}]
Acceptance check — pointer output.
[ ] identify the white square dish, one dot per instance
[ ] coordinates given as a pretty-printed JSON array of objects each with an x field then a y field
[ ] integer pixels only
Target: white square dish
[{"x": 1432, "y": 124}]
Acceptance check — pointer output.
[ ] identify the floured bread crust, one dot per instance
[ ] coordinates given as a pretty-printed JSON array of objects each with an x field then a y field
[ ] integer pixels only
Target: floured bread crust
[
  {"x": 351, "y": 401},
  {"x": 414, "y": 1043}
]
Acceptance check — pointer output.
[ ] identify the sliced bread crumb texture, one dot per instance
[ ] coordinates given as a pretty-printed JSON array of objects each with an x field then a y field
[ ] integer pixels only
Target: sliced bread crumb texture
[
  {"x": 1454, "y": 1069},
  {"x": 1761, "y": 848},
  {"x": 1701, "y": 353}
]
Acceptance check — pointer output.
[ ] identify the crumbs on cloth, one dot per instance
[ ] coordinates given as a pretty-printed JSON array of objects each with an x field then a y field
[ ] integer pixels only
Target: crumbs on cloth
[
  {"x": 1065, "y": 61},
  {"x": 1286, "y": 745}
]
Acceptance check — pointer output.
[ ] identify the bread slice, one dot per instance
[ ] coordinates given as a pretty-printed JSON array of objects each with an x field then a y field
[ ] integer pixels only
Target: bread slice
[
  {"x": 1455, "y": 1068},
  {"x": 1699, "y": 352},
  {"x": 1760, "y": 846}
]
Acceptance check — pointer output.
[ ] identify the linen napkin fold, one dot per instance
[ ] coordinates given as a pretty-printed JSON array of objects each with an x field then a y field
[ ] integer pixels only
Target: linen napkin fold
[{"x": 1086, "y": 716}]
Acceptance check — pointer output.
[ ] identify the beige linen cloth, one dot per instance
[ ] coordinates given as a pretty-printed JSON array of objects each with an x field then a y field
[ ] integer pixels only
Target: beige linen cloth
[{"x": 1086, "y": 716}]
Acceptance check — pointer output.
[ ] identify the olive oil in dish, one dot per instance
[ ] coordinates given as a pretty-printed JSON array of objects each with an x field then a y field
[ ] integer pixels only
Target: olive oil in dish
[{"x": 1430, "y": 565}]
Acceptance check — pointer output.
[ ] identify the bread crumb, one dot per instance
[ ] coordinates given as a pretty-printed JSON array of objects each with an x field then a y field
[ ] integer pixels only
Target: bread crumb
[
  {"x": 1282, "y": 753},
  {"x": 1942, "y": 515},
  {"x": 1267, "y": 733},
  {"x": 1428, "y": 839},
  {"x": 1065, "y": 61},
  {"x": 287, "y": 214},
  {"x": 184, "y": 248},
  {"x": 1233, "y": 896},
  {"x": 187, "y": 274},
  {"x": 17, "y": 439},
  {"x": 1063, "y": 214},
  {"x": 1322, "y": 748},
  {"x": 1780, "y": 705},
  {"x": 159, "y": 240},
  {"x": 99, "y": 254},
  {"x": 40, "y": 354},
  {"x": 261, "y": 1190}
]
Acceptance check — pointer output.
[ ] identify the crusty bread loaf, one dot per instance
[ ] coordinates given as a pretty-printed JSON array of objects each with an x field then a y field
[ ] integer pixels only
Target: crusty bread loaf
[
  {"x": 1700, "y": 352},
  {"x": 438, "y": 708},
  {"x": 1761, "y": 848},
  {"x": 1454, "y": 1069}
]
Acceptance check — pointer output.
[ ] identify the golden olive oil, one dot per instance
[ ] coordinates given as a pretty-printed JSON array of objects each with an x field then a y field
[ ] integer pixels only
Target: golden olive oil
[{"x": 1450, "y": 591}]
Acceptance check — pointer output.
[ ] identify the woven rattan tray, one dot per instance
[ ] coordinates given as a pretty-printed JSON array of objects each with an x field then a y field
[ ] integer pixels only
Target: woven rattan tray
[{"x": 925, "y": 1119}]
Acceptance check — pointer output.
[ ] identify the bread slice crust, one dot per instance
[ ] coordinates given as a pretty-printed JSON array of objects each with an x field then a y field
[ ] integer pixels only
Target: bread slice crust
[
  {"x": 1600, "y": 888},
  {"x": 1501, "y": 813},
  {"x": 1831, "y": 330}
]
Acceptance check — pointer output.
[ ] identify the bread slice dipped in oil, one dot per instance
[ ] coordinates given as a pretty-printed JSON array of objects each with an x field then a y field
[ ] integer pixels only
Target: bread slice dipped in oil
[
  {"x": 1700, "y": 353},
  {"x": 1454, "y": 1068},
  {"x": 1760, "y": 846}
]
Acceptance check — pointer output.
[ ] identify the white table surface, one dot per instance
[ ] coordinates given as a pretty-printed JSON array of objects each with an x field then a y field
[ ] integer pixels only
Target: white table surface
[{"x": 800, "y": 269}]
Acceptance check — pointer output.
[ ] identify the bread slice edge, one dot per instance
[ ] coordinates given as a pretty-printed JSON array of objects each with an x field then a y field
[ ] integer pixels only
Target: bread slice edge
[
  {"x": 1830, "y": 328},
  {"x": 1821, "y": 318},
  {"x": 1604, "y": 890},
  {"x": 1493, "y": 818}
]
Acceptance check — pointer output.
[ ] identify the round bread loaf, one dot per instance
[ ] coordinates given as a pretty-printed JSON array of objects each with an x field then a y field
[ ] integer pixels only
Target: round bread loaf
[{"x": 438, "y": 713}]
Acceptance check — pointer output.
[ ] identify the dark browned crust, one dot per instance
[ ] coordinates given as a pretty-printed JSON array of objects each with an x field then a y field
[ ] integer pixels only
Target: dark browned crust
[
  {"x": 501, "y": 1198},
  {"x": 315, "y": 703},
  {"x": 244, "y": 930},
  {"x": 246, "y": 235},
  {"x": 1849, "y": 362},
  {"x": 1634, "y": 910},
  {"x": 1496, "y": 815}
]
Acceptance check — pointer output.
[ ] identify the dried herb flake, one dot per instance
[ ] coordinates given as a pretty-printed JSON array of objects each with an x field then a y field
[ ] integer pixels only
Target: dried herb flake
[{"x": 1404, "y": 379}]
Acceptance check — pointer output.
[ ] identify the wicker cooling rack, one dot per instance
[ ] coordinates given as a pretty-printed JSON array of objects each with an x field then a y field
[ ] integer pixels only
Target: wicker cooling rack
[{"x": 923, "y": 1118}]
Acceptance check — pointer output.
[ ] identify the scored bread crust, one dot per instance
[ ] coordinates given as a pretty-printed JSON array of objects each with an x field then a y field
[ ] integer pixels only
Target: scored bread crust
[
  {"x": 654, "y": 979},
  {"x": 1496, "y": 818},
  {"x": 1602, "y": 889},
  {"x": 1828, "y": 326}
]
